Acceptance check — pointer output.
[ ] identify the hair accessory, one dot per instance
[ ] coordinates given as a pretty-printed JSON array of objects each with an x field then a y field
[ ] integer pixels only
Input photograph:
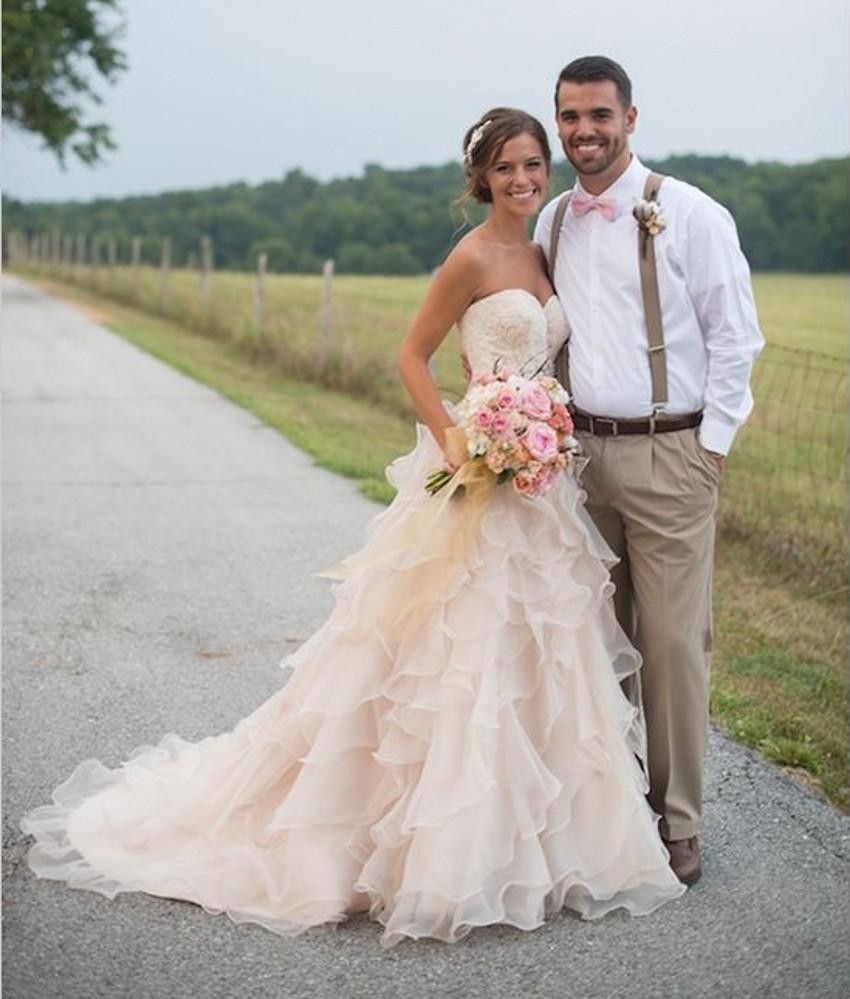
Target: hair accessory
[{"x": 474, "y": 139}]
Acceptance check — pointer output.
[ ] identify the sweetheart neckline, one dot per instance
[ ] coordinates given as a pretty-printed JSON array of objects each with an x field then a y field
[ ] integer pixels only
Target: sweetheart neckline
[{"x": 524, "y": 291}]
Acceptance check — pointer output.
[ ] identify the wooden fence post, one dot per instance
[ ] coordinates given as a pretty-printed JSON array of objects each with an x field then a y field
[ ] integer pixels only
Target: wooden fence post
[
  {"x": 111, "y": 259},
  {"x": 164, "y": 268},
  {"x": 325, "y": 319},
  {"x": 135, "y": 258},
  {"x": 259, "y": 295},
  {"x": 94, "y": 260},
  {"x": 12, "y": 248},
  {"x": 67, "y": 254},
  {"x": 80, "y": 258},
  {"x": 55, "y": 252},
  {"x": 206, "y": 269}
]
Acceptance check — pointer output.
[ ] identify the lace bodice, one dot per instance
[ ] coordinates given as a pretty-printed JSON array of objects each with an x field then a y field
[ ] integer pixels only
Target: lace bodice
[{"x": 511, "y": 328}]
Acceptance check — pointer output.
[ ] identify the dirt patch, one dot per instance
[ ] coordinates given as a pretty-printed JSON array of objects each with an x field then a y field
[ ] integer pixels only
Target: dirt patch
[{"x": 95, "y": 312}]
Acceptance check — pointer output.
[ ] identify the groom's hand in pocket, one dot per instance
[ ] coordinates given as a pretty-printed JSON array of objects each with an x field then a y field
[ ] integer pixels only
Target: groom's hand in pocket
[{"x": 719, "y": 459}]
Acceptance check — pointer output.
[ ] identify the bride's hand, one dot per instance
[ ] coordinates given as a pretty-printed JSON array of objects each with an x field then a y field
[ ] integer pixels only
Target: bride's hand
[{"x": 454, "y": 447}]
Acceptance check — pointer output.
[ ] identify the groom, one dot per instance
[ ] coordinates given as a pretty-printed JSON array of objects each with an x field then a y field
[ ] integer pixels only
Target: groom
[{"x": 655, "y": 417}]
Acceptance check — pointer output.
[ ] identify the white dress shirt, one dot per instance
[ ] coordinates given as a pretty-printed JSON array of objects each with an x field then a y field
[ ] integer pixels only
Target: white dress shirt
[{"x": 711, "y": 329}]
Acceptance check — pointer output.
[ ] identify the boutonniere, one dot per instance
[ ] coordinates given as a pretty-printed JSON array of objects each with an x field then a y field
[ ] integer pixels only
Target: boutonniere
[
  {"x": 650, "y": 221},
  {"x": 649, "y": 217}
]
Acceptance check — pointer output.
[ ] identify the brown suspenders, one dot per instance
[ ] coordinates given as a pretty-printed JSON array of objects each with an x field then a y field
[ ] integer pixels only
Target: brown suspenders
[
  {"x": 649, "y": 292},
  {"x": 652, "y": 302}
]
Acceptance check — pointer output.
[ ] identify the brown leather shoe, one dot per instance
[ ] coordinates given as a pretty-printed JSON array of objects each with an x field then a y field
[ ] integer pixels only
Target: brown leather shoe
[{"x": 684, "y": 859}]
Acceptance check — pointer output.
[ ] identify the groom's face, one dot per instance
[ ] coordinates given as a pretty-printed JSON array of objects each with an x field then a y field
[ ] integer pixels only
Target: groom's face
[{"x": 594, "y": 127}]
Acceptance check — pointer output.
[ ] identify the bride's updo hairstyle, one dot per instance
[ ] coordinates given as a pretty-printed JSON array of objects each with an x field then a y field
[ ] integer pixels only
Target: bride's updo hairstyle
[{"x": 484, "y": 140}]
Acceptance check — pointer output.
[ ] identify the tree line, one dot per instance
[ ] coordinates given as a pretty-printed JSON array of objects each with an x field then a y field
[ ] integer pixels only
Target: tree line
[{"x": 790, "y": 217}]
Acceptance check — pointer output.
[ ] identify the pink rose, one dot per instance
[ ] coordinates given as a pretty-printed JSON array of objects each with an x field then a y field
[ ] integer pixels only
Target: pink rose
[
  {"x": 542, "y": 441},
  {"x": 500, "y": 423},
  {"x": 534, "y": 402},
  {"x": 506, "y": 399},
  {"x": 484, "y": 418}
]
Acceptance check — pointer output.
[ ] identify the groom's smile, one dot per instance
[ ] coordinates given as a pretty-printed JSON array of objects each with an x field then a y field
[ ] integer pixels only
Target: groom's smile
[{"x": 594, "y": 129}]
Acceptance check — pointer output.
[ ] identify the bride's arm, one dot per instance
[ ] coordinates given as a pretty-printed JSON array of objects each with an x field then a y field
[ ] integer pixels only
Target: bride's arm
[{"x": 449, "y": 295}]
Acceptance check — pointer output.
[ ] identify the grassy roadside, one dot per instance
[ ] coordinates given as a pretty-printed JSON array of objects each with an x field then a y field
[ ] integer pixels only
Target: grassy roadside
[{"x": 779, "y": 682}]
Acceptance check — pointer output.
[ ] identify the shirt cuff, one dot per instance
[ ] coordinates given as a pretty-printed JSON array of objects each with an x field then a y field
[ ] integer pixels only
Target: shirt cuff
[{"x": 716, "y": 436}]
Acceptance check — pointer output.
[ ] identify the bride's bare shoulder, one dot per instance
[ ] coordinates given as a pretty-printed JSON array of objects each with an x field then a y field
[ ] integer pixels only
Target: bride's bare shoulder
[
  {"x": 467, "y": 262},
  {"x": 471, "y": 249}
]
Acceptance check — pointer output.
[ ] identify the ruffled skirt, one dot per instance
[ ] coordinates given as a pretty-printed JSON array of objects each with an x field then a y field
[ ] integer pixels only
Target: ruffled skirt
[{"x": 452, "y": 750}]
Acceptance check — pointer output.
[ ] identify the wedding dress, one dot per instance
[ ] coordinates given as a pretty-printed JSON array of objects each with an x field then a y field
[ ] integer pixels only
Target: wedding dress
[{"x": 452, "y": 750}]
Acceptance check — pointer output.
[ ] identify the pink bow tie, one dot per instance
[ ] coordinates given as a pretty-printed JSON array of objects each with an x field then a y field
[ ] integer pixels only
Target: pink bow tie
[{"x": 581, "y": 204}]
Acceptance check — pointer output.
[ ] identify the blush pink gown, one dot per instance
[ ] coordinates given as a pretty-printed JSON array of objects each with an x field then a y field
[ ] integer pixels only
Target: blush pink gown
[{"x": 452, "y": 750}]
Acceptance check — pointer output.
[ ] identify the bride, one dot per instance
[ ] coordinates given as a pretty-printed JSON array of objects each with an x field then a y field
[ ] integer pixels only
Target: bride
[{"x": 453, "y": 748}]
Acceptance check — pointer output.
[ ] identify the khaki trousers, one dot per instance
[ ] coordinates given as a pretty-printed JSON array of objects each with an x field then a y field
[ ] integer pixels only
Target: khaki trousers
[{"x": 654, "y": 500}]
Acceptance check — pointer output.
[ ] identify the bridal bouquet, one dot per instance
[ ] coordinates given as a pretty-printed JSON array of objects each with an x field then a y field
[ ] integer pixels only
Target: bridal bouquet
[{"x": 518, "y": 429}]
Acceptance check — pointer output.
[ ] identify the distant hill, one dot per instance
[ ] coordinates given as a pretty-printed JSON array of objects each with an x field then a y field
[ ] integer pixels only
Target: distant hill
[{"x": 792, "y": 218}]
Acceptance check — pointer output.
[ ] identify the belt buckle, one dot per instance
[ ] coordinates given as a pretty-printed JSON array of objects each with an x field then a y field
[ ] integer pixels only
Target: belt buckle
[
  {"x": 596, "y": 420},
  {"x": 657, "y": 411}
]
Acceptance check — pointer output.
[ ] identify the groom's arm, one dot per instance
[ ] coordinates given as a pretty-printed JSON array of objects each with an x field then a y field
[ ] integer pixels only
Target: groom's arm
[{"x": 719, "y": 284}]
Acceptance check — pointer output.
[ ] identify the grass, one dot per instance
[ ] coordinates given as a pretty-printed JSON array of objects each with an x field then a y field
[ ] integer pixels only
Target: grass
[
  {"x": 786, "y": 482},
  {"x": 779, "y": 679},
  {"x": 804, "y": 312}
]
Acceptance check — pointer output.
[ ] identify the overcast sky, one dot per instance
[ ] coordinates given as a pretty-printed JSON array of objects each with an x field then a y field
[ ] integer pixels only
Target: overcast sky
[{"x": 225, "y": 90}]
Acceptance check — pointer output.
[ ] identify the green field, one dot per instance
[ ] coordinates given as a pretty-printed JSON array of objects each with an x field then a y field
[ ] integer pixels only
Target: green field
[
  {"x": 804, "y": 312},
  {"x": 786, "y": 483},
  {"x": 780, "y": 679}
]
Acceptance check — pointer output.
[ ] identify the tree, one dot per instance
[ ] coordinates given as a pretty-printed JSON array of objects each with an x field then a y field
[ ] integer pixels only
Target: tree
[
  {"x": 49, "y": 49},
  {"x": 791, "y": 218},
  {"x": 280, "y": 257}
]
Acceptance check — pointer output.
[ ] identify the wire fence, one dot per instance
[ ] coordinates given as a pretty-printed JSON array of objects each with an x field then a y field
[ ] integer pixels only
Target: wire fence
[
  {"x": 785, "y": 486},
  {"x": 787, "y": 480}
]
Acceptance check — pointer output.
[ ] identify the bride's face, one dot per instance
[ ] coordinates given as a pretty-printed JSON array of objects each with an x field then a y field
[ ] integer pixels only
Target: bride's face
[{"x": 518, "y": 177}]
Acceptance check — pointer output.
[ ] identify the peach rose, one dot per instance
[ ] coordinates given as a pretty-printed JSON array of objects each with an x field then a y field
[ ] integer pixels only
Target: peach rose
[{"x": 561, "y": 419}]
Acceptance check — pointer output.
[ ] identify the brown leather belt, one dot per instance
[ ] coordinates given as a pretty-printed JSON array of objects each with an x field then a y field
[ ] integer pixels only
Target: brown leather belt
[{"x": 605, "y": 426}]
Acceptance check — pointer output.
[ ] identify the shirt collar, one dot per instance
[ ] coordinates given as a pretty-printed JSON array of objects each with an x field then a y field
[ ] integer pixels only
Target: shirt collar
[{"x": 627, "y": 187}]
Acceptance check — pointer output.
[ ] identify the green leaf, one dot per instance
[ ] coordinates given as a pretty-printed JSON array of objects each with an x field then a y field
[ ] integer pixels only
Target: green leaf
[{"x": 48, "y": 46}]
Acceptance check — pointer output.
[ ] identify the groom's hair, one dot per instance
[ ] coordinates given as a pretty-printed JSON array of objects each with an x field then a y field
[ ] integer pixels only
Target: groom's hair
[{"x": 592, "y": 69}]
